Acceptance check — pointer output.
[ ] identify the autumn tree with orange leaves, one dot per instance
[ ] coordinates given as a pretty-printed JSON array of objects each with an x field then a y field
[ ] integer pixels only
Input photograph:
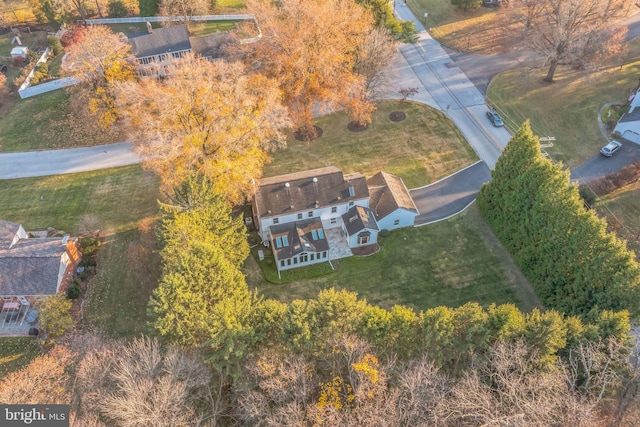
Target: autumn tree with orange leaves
[
  {"x": 99, "y": 60},
  {"x": 211, "y": 119},
  {"x": 312, "y": 49}
]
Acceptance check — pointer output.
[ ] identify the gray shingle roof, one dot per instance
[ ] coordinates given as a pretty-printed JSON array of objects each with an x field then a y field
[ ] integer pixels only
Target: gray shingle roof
[
  {"x": 388, "y": 193},
  {"x": 7, "y": 231},
  {"x": 632, "y": 116},
  {"x": 299, "y": 237},
  {"x": 30, "y": 266},
  {"x": 161, "y": 40},
  {"x": 359, "y": 218},
  {"x": 274, "y": 198}
]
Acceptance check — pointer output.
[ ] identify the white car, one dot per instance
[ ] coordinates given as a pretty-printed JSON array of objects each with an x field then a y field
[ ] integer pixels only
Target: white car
[{"x": 609, "y": 149}]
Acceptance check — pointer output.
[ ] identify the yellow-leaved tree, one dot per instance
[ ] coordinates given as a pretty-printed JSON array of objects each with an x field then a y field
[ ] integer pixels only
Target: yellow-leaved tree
[
  {"x": 99, "y": 60},
  {"x": 209, "y": 118}
]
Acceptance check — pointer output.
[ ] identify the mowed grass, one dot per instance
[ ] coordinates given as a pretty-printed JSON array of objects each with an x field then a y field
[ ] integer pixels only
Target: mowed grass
[
  {"x": 16, "y": 353},
  {"x": 121, "y": 203},
  {"x": 622, "y": 207},
  {"x": 480, "y": 31},
  {"x": 567, "y": 109},
  {"x": 48, "y": 121},
  {"x": 421, "y": 149},
  {"x": 448, "y": 263}
]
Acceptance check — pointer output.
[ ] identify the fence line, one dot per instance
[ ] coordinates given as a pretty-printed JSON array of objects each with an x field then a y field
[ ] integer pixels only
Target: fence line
[
  {"x": 238, "y": 17},
  {"x": 47, "y": 87}
]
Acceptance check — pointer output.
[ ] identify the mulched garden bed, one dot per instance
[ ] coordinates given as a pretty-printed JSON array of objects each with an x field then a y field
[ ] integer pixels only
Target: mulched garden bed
[
  {"x": 357, "y": 127},
  {"x": 397, "y": 116},
  {"x": 308, "y": 136}
]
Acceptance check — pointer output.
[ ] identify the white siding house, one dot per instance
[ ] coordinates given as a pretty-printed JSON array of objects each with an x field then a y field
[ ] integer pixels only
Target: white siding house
[
  {"x": 391, "y": 202},
  {"x": 313, "y": 216},
  {"x": 629, "y": 124},
  {"x": 360, "y": 226}
]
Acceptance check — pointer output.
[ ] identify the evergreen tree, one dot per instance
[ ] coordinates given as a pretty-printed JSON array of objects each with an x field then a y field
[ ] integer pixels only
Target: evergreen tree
[
  {"x": 148, "y": 7},
  {"x": 574, "y": 264}
]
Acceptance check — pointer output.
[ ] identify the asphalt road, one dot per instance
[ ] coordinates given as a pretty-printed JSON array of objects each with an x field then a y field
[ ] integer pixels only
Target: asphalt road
[
  {"x": 56, "y": 162},
  {"x": 451, "y": 195}
]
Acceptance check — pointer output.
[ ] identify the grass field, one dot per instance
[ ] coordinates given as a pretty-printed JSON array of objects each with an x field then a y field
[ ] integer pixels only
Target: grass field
[
  {"x": 121, "y": 203},
  {"x": 447, "y": 263},
  {"x": 15, "y": 353},
  {"x": 421, "y": 149},
  {"x": 48, "y": 121},
  {"x": 567, "y": 109},
  {"x": 621, "y": 208}
]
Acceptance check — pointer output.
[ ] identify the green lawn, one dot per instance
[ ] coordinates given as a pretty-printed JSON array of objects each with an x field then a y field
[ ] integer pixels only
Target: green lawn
[
  {"x": 567, "y": 109},
  {"x": 622, "y": 207},
  {"x": 16, "y": 353},
  {"x": 121, "y": 203},
  {"x": 48, "y": 121},
  {"x": 229, "y": 4},
  {"x": 421, "y": 149},
  {"x": 447, "y": 263}
]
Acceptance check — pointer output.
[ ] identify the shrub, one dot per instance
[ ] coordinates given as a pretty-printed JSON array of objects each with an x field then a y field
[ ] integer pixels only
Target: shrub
[
  {"x": 55, "y": 45},
  {"x": 587, "y": 195},
  {"x": 43, "y": 68},
  {"x": 73, "y": 291},
  {"x": 117, "y": 9},
  {"x": 38, "y": 77},
  {"x": 55, "y": 315},
  {"x": 89, "y": 245},
  {"x": 32, "y": 56},
  {"x": 384, "y": 233}
]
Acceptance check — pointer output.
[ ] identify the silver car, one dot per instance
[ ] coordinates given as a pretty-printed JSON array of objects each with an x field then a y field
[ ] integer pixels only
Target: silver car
[{"x": 609, "y": 149}]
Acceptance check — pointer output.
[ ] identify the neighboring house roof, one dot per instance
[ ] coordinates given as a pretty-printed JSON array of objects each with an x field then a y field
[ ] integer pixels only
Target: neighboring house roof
[
  {"x": 308, "y": 190},
  {"x": 30, "y": 266},
  {"x": 388, "y": 193},
  {"x": 8, "y": 231},
  {"x": 632, "y": 116},
  {"x": 161, "y": 40},
  {"x": 300, "y": 238},
  {"x": 359, "y": 218}
]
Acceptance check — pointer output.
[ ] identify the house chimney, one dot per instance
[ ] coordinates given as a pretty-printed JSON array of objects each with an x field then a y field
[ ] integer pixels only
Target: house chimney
[
  {"x": 149, "y": 28},
  {"x": 315, "y": 179},
  {"x": 317, "y": 204}
]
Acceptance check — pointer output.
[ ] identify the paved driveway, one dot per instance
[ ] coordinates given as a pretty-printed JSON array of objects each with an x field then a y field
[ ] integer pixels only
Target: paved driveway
[
  {"x": 56, "y": 162},
  {"x": 599, "y": 166},
  {"x": 451, "y": 195}
]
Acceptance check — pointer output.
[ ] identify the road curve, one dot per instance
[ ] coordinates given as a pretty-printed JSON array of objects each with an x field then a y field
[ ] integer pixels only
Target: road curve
[
  {"x": 70, "y": 160},
  {"x": 451, "y": 195}
]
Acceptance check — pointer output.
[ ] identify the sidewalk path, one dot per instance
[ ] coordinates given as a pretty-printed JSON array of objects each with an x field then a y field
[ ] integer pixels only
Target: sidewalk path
[
  {"x": 451, "y": 195},
  {"x": 56, "y": 162}
]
